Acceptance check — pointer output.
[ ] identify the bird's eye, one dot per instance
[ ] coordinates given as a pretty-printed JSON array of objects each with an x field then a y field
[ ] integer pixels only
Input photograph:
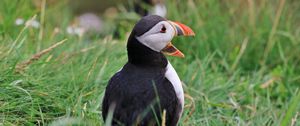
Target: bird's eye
[{"x": 163, "y": 29}]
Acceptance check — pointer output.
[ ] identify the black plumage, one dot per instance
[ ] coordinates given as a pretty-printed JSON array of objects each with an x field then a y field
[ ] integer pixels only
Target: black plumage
[{"x": 140, "y": 89}]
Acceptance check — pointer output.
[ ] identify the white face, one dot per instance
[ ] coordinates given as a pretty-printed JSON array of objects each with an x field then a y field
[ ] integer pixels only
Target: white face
[{"x": 158, "y": 37}]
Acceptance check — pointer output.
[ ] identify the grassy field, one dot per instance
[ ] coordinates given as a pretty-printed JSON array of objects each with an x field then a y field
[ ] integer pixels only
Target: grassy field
[{"x": 241, "y": 68}]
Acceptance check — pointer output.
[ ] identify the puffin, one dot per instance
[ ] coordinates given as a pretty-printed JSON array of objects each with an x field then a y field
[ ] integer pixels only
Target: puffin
[
  {"x": 150, "y": 7},
  {"x": 147, "y": 91}
]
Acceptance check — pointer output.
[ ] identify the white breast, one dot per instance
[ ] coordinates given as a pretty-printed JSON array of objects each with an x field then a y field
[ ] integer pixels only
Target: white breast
[{"x": 172, "y": 76}]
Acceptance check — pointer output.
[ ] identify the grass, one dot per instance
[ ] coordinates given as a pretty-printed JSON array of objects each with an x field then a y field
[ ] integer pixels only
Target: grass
[{"x": 242, "y": 68}]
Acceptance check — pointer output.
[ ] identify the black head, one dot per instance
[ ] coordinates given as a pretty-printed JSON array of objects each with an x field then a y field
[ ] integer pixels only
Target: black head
[
  {"x": 150, "y": 37},
  {"x": 140, "y": 54},
  {"x": 146, "y": 23}
]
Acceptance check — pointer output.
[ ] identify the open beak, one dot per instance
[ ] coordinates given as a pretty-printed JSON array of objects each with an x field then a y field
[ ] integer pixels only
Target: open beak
[{"x": 180, "y": 29}]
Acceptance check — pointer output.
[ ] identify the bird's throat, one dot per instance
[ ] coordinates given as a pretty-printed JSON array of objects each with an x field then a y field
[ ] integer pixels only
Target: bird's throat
[{"x": 140, "y": 55}]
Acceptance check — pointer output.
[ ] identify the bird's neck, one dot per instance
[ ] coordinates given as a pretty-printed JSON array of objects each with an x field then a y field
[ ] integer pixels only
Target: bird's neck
[{"x": 141, "y": 55}]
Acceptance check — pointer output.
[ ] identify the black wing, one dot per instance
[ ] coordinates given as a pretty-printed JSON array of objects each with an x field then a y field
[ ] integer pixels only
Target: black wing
[{"x": 135, "y": 97}]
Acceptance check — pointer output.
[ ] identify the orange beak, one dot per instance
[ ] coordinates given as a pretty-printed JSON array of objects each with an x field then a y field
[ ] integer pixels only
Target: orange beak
[{"x": 180, "y": 29}]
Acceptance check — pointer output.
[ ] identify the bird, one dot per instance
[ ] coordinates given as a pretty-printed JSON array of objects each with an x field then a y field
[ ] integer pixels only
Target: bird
[
  {"x": 147, "y": 85},
  {"x": 141, "y": 7},
  {"x": 93, "y": 17},
  {"x": 150, "y": 7}
]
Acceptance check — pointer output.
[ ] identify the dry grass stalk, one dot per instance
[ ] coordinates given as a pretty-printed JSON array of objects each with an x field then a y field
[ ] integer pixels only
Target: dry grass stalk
[
  {"x": 268, "y": 83},
  {"x": 163, "y": 122},
  {"x": 252, "y": 108},
  {"x": 251, "y": 9},
  {"x": 191, "y": 106},
  {"x": 21, "y": 66},
  {"x": 294, "y": 120},
  {"x": 271, "y": 41},
  {"x": 239, "y": 56},
  {"x": 19, "y": 35},
  {"x": 93, "y": 67},
  {"x": 65, "y": 57}
]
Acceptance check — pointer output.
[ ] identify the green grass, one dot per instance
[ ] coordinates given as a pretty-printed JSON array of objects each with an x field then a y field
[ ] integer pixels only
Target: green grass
[{"x": 239, "y": 47}]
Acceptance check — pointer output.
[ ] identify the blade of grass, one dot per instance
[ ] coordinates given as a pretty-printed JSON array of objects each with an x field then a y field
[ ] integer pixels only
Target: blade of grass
[{"x": 292, "y": 109}]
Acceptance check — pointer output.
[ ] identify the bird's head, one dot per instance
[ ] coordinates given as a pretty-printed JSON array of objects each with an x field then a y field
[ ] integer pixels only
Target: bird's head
[{"x": 156, "y": 33}]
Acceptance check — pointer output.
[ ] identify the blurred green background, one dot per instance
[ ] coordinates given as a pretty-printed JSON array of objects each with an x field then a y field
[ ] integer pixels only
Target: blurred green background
[{"x": 241, "y": 68}]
